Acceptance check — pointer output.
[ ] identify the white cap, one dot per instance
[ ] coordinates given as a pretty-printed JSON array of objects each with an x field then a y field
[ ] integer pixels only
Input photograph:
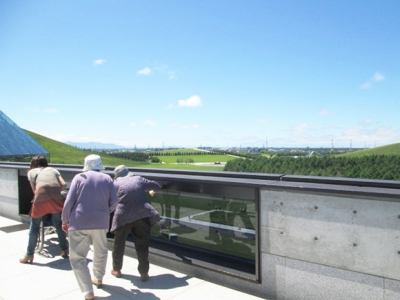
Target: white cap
[{"x": 93, "y": 162}]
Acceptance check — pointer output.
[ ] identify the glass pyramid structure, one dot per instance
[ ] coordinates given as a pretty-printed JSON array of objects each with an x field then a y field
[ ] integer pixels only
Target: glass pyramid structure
[{"x": 16, "y": 142}]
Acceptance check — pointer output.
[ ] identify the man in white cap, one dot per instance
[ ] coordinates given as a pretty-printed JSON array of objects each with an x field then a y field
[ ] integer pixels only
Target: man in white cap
[
  {"x": 133, "y": 215},
  {"x": 86, "y": 218}
]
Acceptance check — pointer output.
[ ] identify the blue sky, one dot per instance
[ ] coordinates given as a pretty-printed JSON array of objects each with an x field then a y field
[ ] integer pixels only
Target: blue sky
[{"x": 211, "y": 73}]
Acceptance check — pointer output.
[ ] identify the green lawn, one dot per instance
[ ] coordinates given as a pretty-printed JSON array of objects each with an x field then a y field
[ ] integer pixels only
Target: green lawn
[
  {"x": 183, "y": 167},
  {"x": 197, "y": 158}
]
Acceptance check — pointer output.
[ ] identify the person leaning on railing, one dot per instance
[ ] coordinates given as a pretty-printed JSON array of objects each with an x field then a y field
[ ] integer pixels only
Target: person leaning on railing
[
  {"x": 46, "y": 184},
  {"x": 133, "y": 215}
]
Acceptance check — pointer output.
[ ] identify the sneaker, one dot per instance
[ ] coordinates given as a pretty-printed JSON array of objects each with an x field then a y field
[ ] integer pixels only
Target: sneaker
[
  {"x": 116, "y": 273},
  {"x": 144, "y": 277}
]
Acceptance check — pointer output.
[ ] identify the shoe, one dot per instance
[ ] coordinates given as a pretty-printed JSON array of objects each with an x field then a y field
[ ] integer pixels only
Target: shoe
[
  {"x": 64, "y": 254},
  {"x": 26, "y": 259},
  {"x": 116, "y": 273},
  {"x": 89, "y": 296},
  {"x": 98, "y": 283},
  {"x": 144, "y": 277}
]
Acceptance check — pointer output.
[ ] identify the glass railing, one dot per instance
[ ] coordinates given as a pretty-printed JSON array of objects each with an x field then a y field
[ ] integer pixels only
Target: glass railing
[
  {"x": 225, "y": 225},
  {"x": 209, "y": 219}
]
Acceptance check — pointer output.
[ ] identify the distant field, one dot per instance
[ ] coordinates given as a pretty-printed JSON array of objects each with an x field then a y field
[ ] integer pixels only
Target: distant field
[
  {"x": 170, "y": 162},
  {"x": 184, "y": 167},
  {"x": 197, "y": 158}
]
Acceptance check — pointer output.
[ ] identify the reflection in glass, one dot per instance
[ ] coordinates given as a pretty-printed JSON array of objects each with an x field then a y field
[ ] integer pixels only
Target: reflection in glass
[{"x": 221, "y": 224}]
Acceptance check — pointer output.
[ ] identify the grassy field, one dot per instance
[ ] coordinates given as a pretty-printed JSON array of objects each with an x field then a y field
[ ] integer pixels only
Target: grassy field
[
  {"x": 61, "y": 153},
  {"x": 197, "y": 158},
  {"x": 185, "y": 167}
]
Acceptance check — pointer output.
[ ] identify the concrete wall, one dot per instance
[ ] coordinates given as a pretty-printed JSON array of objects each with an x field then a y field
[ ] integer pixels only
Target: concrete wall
[
  {"x": 329, "y": 246},
  {"x": 9, "y": 193}
]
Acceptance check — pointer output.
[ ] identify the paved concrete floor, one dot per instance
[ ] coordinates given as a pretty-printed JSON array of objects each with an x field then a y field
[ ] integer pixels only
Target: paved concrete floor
[{"x": 51, "y": 277}]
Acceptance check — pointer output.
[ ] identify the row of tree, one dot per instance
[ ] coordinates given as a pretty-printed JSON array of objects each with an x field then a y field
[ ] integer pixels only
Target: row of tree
[
  {"x": 185, "y": 160},
  {"x": 181, "y": 153},
  {"x": 386, "y": 167},
  {"x": 135, "y": 156}
]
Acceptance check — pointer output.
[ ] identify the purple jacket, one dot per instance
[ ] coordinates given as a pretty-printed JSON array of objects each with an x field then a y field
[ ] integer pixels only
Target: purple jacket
[
  {"x": 90, "y": 200},
  {"x": 133, "y": 203}
]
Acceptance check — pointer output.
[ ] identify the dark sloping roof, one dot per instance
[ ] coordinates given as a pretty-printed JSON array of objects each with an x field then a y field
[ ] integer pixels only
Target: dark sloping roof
[{"x": 14, "y": 141}]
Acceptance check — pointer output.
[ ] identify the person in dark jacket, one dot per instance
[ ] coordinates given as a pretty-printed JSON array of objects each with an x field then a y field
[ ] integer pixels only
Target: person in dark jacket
[{"x": 133, "y": 215}]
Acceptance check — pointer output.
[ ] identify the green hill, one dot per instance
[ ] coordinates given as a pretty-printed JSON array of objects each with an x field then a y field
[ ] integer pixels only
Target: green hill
[
  {"x": 61, "y": 153},
  {"x": 393, "y": 149}
]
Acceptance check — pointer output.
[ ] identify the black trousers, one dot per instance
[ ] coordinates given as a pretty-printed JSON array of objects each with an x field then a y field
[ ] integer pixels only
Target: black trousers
[{"x": 140, "y": 230}]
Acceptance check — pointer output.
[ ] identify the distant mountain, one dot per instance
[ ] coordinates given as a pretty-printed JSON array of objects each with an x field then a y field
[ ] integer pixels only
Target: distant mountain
[{"x": 94, "y": 145}]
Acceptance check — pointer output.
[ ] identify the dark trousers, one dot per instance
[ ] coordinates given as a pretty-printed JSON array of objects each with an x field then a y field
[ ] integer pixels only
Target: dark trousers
[{"x": 140, "y": 230}]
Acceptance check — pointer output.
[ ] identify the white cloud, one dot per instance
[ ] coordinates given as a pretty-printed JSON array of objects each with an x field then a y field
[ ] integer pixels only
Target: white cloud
[
  {"x": 98, "y": 62},
  {"x": 301, "y": 128},
  {"x": 132, "y": 124},
  {"x": 370, "y": 137},
  {"x": 161, "y": 69},
  {"x": 171, "y": 75},
  {"x": 366, "y": 85},
  {"x": 323, "y": 112},
  {"x": 379, "y": 76},
  {"x": 192, "y": 101},
  {"x": 146, "y": 71},
  {"x": 263, "y": 120},
  {"x": 193, "y": 126},
  {"x": 157, "y": 70},
  {"x": 149, "y": 123},
  {"x": 51, "y": 111},
  {"x": 366, "y": 122}
]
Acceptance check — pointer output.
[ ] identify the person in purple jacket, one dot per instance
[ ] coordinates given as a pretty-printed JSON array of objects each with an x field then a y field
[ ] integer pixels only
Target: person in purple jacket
[
  {"x": 86, "y": 218},
  {"x": 133, "y": 215}
]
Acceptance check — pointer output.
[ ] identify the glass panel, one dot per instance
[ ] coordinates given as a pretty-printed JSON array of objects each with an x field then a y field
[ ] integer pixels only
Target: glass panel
[{"x": 217, "y": 223}]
